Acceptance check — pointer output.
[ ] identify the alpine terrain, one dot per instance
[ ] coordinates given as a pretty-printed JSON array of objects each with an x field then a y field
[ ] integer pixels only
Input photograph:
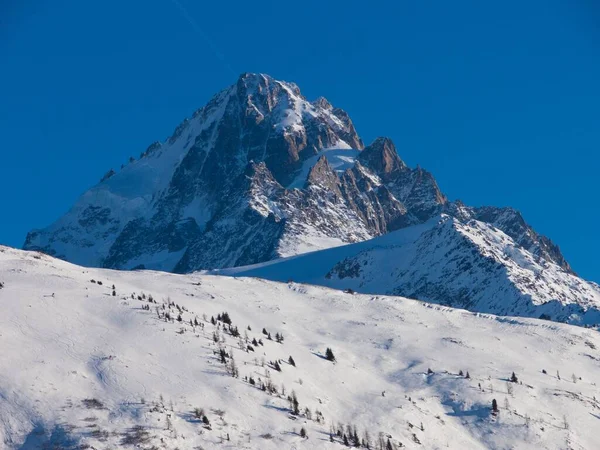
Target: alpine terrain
[
  {"x": 460, "y": 263},
  {"x": 103, "y": 359},
  {"x": 261, "y": 173}
]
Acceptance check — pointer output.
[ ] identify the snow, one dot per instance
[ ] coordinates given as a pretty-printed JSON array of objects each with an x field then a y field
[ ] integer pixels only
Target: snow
[
  {"x": 311, "y": 267},
  {"x": 292, "y": 245},
  {"x": 81, "y": 367},
  {"x": 199, "y": 210},
  {"x": 340, "y": 157},
  {"x": 292, "y": 111},
  {"x": 161, "y": 260},
  {"x": 445, "y": 261}
]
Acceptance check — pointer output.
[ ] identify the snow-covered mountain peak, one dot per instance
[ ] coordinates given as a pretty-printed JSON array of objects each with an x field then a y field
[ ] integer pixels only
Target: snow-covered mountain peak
[
  {"x": 258, "y": 173},
  {"x": 323, "y": 103}
]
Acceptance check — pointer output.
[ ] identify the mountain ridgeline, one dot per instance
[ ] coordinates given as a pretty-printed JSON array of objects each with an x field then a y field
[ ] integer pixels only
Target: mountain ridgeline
[
  {"x": 218, "y": 193},
  {"x": 261, "y": 173}
]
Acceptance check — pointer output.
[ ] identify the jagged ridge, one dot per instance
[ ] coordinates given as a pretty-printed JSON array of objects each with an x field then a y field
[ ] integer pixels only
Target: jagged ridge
[{"x": 258, "y": 173}]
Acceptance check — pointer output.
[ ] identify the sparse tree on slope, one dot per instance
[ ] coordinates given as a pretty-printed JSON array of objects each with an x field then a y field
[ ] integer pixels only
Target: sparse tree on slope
[
  {"x": 494, "y": 406},
  {"x": 329, "y": 354}
]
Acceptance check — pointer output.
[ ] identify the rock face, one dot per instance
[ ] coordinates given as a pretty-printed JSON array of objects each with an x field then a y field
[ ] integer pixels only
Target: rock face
[
  {"x": 473, "y": 265},
  {"x": 256, "y": 174}
]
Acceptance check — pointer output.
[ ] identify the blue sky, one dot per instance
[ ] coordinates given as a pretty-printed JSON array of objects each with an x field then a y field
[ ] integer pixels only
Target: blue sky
[{"x": 500, "y": 100}]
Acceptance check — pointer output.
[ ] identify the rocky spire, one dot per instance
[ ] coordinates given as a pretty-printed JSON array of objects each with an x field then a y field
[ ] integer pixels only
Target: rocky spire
[
  {"x": 382, "y": 158},
  {"x": 322, "y": 175}
]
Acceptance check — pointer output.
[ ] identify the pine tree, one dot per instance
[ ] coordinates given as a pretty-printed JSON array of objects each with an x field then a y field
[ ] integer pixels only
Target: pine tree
[
  {"x": 329, "y": 354},
  {"x": 291, "y": 361},
  {"x": 308, "y": 413},
  {"x": 294, "y": 404},
  {"x": 367, "y": 440},
  {"x": 212, "y": 320},
  {"x": 513, "y": 378},
  {"x": 225, "y": 318},
  {"x": 494, "y": 406},
  {"x": 233, "y": 370}
]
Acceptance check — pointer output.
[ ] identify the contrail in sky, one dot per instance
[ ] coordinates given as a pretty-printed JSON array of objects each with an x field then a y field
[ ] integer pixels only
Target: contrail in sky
[{"x": 204, "y": 36}]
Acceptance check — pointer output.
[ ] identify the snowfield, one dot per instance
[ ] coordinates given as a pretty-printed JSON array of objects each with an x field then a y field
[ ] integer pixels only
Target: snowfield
[{"x": 83, "y": 368}]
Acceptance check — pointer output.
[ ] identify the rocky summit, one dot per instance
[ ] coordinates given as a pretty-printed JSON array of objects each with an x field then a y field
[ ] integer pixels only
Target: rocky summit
[{"x": 258, "y": 173}]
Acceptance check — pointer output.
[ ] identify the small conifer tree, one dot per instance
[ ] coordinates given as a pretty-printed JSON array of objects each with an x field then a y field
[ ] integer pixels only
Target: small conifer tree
[{"x": 329, "y": 354}]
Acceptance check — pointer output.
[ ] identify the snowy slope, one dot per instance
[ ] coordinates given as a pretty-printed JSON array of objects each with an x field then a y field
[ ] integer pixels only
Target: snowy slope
[
  {"x": 82, "y": 368},
  {"x": 340, "y": 158},
  {"x": 470, "y": 265}
]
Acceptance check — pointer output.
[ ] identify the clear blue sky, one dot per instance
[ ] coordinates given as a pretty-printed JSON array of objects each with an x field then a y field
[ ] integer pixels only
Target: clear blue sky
[{"x": 500, "y": 100}]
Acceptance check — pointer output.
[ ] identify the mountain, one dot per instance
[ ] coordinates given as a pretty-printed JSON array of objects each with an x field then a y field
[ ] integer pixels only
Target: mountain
[
  {"x": 257, "y": 174},
  {"x": 463, "y": 263},
  {"x": 95, "y": 358}
]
